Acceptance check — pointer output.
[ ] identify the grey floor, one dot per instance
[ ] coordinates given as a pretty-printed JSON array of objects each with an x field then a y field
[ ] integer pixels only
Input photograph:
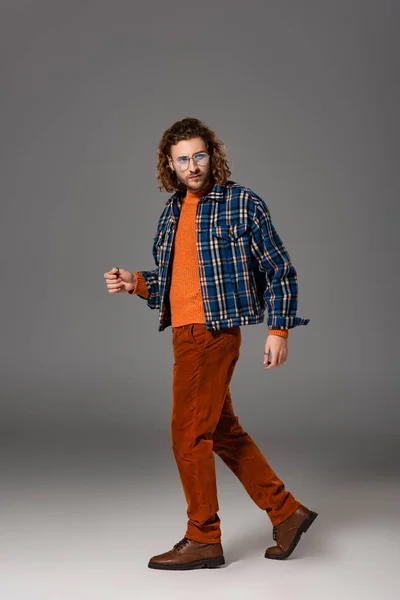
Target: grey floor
[{"x": 82, "y": 513}]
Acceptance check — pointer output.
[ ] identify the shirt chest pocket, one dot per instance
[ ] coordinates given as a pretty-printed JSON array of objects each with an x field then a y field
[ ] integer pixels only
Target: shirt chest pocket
[{"x": 230, "y": 235}]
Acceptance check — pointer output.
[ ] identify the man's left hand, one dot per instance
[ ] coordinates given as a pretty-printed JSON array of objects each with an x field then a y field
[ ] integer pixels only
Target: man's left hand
[{"x": 278, "y": 348}]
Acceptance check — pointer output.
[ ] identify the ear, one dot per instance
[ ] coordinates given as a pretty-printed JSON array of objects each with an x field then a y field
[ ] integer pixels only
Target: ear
[{"x": 170, "y": 163}]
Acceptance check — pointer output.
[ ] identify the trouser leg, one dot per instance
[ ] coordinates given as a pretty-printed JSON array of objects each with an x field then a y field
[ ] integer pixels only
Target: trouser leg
[
  {"x": 241, "y": 454},
  {"x": 203, "y": 367}
]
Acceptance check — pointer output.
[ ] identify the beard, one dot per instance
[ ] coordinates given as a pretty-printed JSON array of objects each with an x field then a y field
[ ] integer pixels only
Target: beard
[
  {"x": 203, "y": 180},
  {"x": 195, "y": 182}
]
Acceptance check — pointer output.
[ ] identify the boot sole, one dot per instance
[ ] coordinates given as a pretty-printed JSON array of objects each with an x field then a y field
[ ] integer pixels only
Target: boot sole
[
  {"x": 308, "y": 521},
  {"x": 205, "y": 563}
]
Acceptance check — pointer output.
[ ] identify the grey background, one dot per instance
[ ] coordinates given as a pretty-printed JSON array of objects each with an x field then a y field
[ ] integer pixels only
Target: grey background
[{"x": 305, "y": 96}]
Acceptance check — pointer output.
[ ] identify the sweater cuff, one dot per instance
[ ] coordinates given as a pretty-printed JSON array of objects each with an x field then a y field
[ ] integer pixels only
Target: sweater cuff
[
  {"x": 280, "y": 332},
  {"x": 140, "y": 288}
]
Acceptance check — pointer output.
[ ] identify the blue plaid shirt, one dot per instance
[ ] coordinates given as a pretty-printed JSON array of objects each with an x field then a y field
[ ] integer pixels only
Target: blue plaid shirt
[{"x": 243, "y": 265}]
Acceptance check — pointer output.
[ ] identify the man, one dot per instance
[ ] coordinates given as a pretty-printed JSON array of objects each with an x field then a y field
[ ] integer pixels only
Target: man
[{"x": 219, "y": 264}]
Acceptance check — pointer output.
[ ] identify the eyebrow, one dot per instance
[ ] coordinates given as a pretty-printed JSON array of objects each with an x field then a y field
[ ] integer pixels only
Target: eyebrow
[{"x": 198, "y": 152}]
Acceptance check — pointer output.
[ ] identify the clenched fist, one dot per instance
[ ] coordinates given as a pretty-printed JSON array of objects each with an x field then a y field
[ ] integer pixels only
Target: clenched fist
[{"x": 119, "y": 280}]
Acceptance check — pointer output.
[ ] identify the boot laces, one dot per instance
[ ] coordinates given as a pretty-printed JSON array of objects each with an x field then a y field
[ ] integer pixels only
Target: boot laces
[
  {"x": 274, "y": 532},
  {"x": 181, "y": 543}
]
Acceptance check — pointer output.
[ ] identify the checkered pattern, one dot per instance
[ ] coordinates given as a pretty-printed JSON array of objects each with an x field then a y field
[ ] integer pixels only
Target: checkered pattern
[{"x": 244, "y": 267}]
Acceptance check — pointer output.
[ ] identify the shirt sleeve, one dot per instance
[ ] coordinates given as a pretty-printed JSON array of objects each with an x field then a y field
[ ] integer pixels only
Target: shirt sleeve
[
  {"x": 272, "y": 258},
  {"x": 147, "y": 287}
]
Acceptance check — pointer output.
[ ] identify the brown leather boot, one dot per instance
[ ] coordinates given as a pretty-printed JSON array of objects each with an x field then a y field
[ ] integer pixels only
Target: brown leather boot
[
  {"x": 288, "y": 533},
  {"x": 188, "y": 554}
]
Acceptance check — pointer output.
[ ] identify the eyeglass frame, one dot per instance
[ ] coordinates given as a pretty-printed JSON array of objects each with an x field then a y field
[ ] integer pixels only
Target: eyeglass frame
[{"x": 190, "y": 158}]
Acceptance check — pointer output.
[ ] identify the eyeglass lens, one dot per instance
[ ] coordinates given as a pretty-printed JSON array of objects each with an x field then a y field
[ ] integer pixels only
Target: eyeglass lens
[{"x": 183, "y": 161}]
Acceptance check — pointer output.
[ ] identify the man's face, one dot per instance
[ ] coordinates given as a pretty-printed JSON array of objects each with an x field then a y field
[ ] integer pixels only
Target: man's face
[{"x": 195, "y": 177}]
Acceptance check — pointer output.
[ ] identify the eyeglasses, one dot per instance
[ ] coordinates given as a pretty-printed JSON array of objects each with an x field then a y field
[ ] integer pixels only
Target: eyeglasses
[{"x": 182, "y": 162}]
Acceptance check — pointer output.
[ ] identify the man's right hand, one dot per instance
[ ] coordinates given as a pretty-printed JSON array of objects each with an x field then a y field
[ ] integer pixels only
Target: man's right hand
[{"x": 119, "y": 280}]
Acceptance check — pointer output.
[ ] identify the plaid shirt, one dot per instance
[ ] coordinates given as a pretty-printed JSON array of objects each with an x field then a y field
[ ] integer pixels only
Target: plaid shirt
[{"x": 243, "y": 265}]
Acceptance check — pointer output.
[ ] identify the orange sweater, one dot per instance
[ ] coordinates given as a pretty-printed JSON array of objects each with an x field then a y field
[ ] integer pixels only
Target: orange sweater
[{"x": 185, "y": 292}]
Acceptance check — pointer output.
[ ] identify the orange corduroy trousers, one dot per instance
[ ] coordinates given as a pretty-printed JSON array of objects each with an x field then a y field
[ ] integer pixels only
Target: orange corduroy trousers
[{"x": 203, "y": 422}]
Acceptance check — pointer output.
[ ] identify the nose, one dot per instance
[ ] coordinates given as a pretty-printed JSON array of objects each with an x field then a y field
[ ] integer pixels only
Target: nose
[{"x": 195, "y": 168}]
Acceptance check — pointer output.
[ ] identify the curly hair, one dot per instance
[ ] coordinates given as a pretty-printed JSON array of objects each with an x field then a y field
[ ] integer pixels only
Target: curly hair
[{"x": 187, "y": 129}]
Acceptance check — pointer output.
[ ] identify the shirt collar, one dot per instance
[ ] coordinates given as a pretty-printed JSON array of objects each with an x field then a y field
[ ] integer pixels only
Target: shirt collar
[{"x": 217, "y": 193}]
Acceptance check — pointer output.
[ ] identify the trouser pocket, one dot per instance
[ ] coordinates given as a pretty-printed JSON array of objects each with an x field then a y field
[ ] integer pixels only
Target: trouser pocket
[{"x": 199, "y": 334}]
